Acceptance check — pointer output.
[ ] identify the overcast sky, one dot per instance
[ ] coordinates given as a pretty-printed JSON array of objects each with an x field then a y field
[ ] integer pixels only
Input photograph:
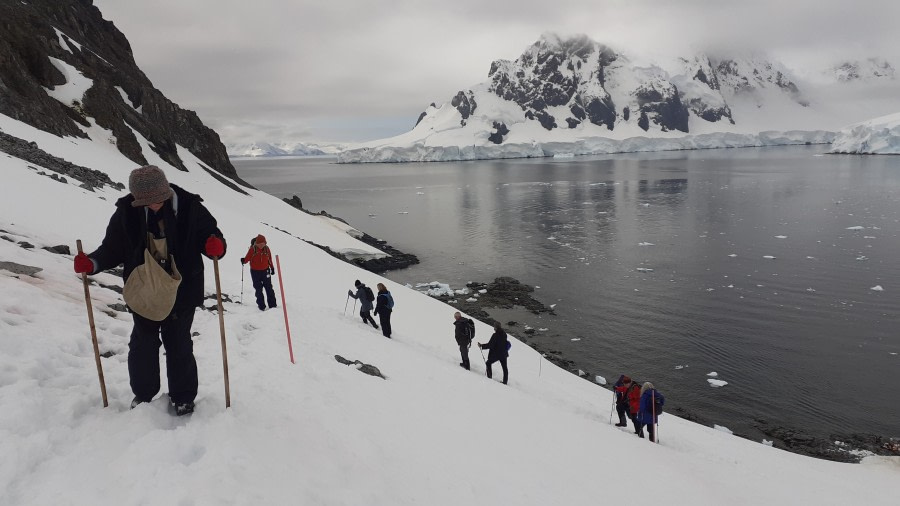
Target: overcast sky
[{"x": 354, "y": 70}]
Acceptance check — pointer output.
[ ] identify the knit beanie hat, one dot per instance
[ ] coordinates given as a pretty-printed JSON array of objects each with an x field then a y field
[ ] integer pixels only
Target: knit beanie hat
[
  {"x": 260, "y": 239},
  {"x": 149, "y": 185}
]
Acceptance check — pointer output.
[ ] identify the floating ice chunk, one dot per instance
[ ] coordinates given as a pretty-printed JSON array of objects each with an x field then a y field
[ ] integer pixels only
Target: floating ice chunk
[
  {"x": 716, "y": 383},
  {"x": 576, "y": 339},
  {"x": 600, "y": 380},
  {"x": 471, "y": 299},
  {"x": 710, "y": 289},
  {"x": 893, "y": 353},
  {"x": 878, "y": 288},
  {"x": 454, "y": 301},
  {"x": 644, "y": 269},
  {"x": 551, "y": 238},
  {"x": 781, "y": 237},
  {"x": 543, "y": 330},
  {"x": 857, "y": 227},
  {"x": 869, "y": 237},
  {"x": 861, "y": 258},
  {"x": 552, "y": 306},
  {"x": 483, "y": 290},
  {"x": 713, "y": 374},
  {"x": 371, "y": 215},
  {"x": 646, "y": 205},
  {"x": 810, "y": 289},
  {"x": 562, "y": 267},
  {"x": 730, "y": 286},
  {"x": 679, "y": 367},
  {"x": 733, "y": 255},
  {"x": 810, "y": 258},
  {"x": 768, "y": 257},
  {"x": 419, "y": 187},
  {"x": 581, "y": 373},
  {"x": 766, "y": 442},
  {"x": 420, "y": 193},
  {"x": 402, "y": 212},
  {"x": 722, "y": 428},
  {"x": 646, "y": 244}
]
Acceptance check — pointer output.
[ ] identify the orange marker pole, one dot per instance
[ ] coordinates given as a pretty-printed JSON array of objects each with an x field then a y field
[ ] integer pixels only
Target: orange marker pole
[{"x": 287, "y": 325}]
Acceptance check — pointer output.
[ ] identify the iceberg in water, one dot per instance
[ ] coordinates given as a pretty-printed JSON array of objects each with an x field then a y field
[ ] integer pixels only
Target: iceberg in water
[{"x": 879, "y": 136}]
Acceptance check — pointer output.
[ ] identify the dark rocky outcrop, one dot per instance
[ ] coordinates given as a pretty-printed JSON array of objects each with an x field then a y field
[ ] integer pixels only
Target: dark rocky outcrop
[
  {"x": 38, "y": 34},
  {"x": 499, "y": 133},
  {"x": 30, "y": 152},
  {"x": 464, "y": 101},
  {"x": 660, "y": 104}
]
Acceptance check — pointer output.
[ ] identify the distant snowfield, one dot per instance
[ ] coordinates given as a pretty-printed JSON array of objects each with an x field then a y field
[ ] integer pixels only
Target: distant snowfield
[
  {"x": 879, "y": 136},
  {"x": 318, "y": 432}
]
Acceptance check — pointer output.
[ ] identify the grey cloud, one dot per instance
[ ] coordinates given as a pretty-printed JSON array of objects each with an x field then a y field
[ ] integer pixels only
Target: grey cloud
[{"x": 315, "y": 64}]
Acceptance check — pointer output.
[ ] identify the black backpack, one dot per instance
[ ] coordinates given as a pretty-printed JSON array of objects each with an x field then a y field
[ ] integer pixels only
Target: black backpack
[
  {"x": 369, "y": 295},
  {"x": 658, "y": 401},
  {"x": 471, "y": 325}
]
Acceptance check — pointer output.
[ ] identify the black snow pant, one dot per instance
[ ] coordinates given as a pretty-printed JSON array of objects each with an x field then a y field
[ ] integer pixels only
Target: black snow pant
[
  {"x": 262, "y": 280},
  {"x": 502, "y": 365},
  {"x": 638, "y": 426},
  {"x": 464, "y": 353},
  {"x": 143, "y": 357},
  {"x": 651, "y": 430},
  {"x": 385, "y": 318},
  {"x": 367, "y": 318},
  {"x": 621, "y": 410}
]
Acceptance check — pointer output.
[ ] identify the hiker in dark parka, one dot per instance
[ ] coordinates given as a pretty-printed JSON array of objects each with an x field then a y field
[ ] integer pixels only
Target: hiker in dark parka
[
  {"x": 498, "y": 351},
  {"x": 259, "y": 256},
  {"x": 384, "y": 306},
  {"x": 646, "y": 414},
  {"x": 159, "y": 231},
  {"x": 365, "y": 305},
  {"x": 621, "y": 401},
  {"x": 463, "y": 335}
]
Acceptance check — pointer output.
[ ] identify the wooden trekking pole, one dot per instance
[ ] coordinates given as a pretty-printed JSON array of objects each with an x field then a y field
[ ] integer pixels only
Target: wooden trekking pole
[
  {"x": 90, "y": 312},
  {"x": 222, "y": 331},
  {"x": 287, "y": 325}
]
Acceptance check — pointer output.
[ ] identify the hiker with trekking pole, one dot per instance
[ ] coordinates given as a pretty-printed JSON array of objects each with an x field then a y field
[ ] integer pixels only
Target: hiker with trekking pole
[
  {"x": 159, "y": 232},
  {"x": 620, "y": 402},
  {"x": 650, "y": 408},
  {"x": 366, "y": 297},
  {"x": 498, "y": 351}
]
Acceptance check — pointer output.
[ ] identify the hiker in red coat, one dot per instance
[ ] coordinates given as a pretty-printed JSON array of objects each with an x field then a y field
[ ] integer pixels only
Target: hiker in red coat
[
  {"x": 633, "y": 396},
  {"x": 261, "y": 269}
]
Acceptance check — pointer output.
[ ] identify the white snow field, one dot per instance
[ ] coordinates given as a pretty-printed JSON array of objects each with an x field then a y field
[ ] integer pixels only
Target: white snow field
[
  {"x": 318, "y": 432},
  {"x": 879, "y": 136}
]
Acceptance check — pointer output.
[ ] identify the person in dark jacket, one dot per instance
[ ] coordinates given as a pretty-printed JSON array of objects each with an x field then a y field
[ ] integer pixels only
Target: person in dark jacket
[
  {"x": 621, "y": 401},
  {"x": 259, "y": 256},
  {"x": 166, "y": 224},
  {"x": 463, "y": 335},
  {"x": 498, "y": 350},
  {"x": 384, "y": 304},
  {"x": 647, "y": 415},
  {"x": 365, "y": 305}
]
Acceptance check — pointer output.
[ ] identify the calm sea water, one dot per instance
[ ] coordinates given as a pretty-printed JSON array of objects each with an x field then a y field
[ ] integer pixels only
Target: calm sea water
[{"x": 761, "y": 265}]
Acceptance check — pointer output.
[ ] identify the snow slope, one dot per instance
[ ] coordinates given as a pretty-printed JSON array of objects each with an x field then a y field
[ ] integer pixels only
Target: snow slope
[
  {"x": 879, "y": 136},
  {"x": 318, "y": 432}
]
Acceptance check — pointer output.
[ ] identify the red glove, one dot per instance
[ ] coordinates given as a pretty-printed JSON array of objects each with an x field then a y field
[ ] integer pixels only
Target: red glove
[
  {"x": 214, "y": 247},
  {"x": 83, "y": 264}
]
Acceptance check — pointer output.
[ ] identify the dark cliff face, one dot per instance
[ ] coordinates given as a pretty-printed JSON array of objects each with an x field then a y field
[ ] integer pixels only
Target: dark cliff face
[{"x": 74, "y": 32}]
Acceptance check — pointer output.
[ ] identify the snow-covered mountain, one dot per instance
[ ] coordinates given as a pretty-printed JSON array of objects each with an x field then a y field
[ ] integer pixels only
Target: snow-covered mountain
[
  {"x": 562, "y": 94},
  {"x": 264, "y": 149},
  {"x": 862, "y": 70},
  {"x": 879, "y": 136}
]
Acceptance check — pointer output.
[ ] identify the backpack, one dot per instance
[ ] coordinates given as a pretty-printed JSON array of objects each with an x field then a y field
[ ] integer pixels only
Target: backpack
[
  {"x": 390, "y": 300},
  {"x": 471, "y": 324},
  {"x": 369, "y": 295},
  {"x": 658, "y": 401}
]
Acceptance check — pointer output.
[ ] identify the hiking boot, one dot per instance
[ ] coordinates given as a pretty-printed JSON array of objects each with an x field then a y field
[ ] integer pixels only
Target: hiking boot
[
  {"x": 184, "y": 408},
  {"x": 135, "y": 402},
  {"x": 262, "y": 308},
  {"x": 376, "y": 326},
  {"x": 621, "y": 425}
]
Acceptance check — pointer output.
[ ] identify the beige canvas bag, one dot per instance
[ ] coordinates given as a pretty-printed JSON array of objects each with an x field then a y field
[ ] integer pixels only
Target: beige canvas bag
[{"x": 150, "y": 291}]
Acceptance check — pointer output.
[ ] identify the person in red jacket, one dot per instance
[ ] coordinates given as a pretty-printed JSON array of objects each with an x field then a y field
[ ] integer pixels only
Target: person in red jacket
[
  {"x": 633, "y": 396},
  {"x": 261, "y": 269}
]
